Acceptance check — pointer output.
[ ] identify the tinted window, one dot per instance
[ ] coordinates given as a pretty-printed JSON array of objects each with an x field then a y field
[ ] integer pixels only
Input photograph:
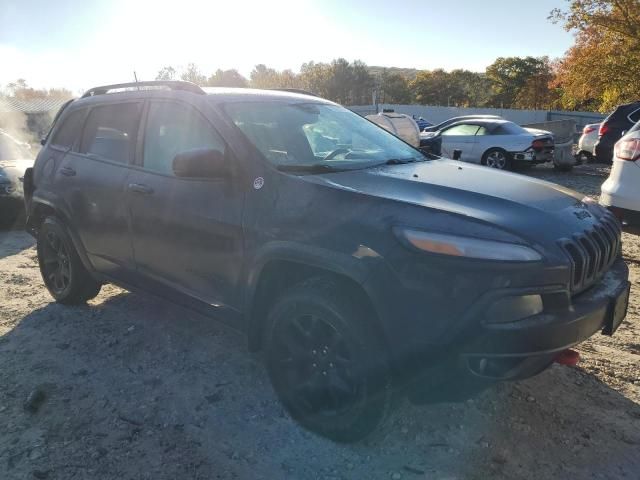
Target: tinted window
[
  {"x": 110, "y": 131},
  {"x": 174, "y": 128},
  {"x": 463, "y": 129},
  {"x": 69, "y": 130}
]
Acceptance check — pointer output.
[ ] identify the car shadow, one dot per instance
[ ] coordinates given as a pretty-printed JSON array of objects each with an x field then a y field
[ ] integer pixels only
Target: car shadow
[
  {"x": 13, "y": 242},
  {"x": 134, "y": 387}
]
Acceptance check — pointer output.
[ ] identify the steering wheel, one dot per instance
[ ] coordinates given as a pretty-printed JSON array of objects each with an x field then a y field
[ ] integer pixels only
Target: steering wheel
[{"x": 337, "y": 151}]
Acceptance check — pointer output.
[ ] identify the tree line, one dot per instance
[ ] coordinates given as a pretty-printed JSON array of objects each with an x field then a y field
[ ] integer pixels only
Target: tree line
[
  {"x": 597, "y": 73},
  {"x": 508, "y": 83}
]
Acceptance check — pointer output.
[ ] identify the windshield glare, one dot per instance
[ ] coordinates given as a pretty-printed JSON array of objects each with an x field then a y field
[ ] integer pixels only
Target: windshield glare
[{"x": 315, "y": 133}]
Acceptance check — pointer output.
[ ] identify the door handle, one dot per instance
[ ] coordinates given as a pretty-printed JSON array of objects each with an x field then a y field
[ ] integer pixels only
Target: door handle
[
  {"x": 67, "y": 171},
  {"x": 140, "y": 188}
]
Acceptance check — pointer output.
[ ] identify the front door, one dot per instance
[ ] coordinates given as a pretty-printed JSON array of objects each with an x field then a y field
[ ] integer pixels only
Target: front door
[
  {"x": 459, "y": 137},
  {"x": 186, "y": 232}
]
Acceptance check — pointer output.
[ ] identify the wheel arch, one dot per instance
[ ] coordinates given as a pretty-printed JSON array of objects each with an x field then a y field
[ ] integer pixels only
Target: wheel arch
[
  {"x": 42, "y": 208},
  {"x": 274, "y": 274}
]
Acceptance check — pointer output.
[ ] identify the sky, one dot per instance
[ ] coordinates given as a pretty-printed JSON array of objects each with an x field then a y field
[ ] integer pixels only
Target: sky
[{"x": 80, "y": 44}]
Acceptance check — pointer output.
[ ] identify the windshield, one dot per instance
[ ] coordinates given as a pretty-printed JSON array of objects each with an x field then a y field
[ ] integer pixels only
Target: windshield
[
  {"x": 12, "y": 150},
  {"x": 305, "y": 134}
]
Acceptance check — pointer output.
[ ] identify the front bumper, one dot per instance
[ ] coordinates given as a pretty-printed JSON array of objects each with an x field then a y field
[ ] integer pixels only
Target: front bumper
[{"x": 506, "y": 351}]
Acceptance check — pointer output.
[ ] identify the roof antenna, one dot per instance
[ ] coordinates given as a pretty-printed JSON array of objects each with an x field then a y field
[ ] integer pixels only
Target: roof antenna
[{"x": 136, "y": 78}]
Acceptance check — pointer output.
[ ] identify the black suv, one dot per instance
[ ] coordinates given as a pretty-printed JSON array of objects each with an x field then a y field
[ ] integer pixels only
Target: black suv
[
  {"x": 356, "y": 264},
  {"x": 613, "y": 127}
]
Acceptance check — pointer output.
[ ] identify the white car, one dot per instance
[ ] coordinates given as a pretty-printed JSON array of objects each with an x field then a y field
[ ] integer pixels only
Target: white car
[
  {"x": 620, "y": 193},
  {"x": 587, "y": 141},
  {"x": 496, "y": 143}
]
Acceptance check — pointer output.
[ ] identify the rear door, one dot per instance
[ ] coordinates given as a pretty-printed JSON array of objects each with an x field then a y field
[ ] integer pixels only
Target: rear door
[
  {"x": 92, "y": 178},
  {"x": 186, "y": 232},
  {"x": 459, "y": 137}
]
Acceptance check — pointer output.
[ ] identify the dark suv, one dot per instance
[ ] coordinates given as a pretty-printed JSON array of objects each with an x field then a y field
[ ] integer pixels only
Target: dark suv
[
  {"x": 613, "y": 127},
  {"x": 354, "y": 262}
]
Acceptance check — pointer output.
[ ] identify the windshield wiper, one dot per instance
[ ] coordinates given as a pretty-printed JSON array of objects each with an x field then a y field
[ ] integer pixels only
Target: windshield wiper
[
  {"x": 400, "y": 161},
  {"x": 309, "y": 168}
]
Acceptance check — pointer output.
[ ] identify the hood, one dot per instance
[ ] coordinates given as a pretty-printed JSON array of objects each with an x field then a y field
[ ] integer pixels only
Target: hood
[{"x": 529, "y": 208}]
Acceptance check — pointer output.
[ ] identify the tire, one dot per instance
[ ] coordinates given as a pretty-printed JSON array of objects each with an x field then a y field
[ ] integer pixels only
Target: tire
[
  {"x": 327, "y": 362},
  {"x": 63, "y": 273},
  {"x": 497, "y": 158}
]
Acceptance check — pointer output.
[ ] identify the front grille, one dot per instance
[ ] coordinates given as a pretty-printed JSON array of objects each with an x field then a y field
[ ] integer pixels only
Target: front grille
[{"x": 592, "y": 252}]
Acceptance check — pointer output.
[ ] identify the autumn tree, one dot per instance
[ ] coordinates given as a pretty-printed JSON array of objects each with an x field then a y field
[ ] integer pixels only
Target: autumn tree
[
  {"x": 193, "y": 74},
  {"x": 227, "y": 78},
  {"x": 394, "y": 88},
  {"x": 520, "y": 82},
  {"x": 600, "y": 70},
  {"x": 166, "y": 73}
]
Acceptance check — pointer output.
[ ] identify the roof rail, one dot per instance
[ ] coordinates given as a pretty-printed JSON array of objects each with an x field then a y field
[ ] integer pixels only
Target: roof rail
[
  {"x": 295, "y": 90},
  {"x": 170, "y": 84}
]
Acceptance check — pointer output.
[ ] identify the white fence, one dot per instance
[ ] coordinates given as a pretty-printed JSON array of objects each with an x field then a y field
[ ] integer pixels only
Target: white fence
[{"x": 522, "y": 117}]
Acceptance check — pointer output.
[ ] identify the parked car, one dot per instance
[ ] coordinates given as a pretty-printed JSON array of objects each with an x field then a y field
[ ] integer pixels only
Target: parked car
[
  {"x": 15, "y": 158},
  {"x": 351, "y": 260},
  {"x": 446, "y": 123},
  {"x": 422, "y": 123},
  {"x": 620, "y": 191},
  {"x": 620, "y": 120},
  {"x": 587, "y": 142},
  {"x": 496, "y": 143}
]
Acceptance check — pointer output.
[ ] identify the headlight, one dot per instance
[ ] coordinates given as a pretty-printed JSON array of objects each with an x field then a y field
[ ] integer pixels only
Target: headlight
[{"x": 468, "y": 247}]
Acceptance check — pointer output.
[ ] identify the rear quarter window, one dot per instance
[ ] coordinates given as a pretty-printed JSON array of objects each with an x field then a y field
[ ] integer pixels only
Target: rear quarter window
[
  {"x": 635, "y": 116},
  {"x": 110, "y": 131},
  {"x": 69, "y": 130}
]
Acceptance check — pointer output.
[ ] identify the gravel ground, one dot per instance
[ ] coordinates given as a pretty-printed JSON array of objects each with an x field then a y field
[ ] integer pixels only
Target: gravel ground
[{"x": 130, "y": 387}]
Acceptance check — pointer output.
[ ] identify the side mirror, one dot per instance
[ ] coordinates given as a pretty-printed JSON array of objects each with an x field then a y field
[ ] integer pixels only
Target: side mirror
[
  {"x": 457, "y": 154},
  {"x": 43, "y": 140},
  {"x": 200, "y": 163}
]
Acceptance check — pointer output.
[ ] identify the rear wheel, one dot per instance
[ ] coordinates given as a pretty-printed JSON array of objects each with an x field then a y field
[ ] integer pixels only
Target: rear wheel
[
  {"x": 62, "y": 270},
  {"x": 497, "y": 158},
  {"x": 327, "y": 362}
]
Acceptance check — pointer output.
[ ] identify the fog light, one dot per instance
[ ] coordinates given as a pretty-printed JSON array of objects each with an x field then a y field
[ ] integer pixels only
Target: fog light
[{"x": 512, "y": 309}]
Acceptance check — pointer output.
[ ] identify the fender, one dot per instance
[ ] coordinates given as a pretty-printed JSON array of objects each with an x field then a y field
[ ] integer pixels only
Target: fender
[
  {"x": 356, "y": 266},
  {"x": 57, "y": 205}
]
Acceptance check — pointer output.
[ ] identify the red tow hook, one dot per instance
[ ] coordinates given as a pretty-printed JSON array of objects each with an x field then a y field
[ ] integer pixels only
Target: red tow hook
[{"x": 568, "y": 357}]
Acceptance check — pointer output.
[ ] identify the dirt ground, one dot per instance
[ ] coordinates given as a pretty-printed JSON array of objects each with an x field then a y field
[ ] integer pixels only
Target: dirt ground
[{"x": 130, "y": 387}]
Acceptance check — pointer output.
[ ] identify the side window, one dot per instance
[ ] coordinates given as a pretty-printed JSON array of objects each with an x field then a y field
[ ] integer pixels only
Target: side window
[
  {"x": 110, "y": 131},
  {"x": 174, "y": 128},
  {"x": 482, "y": 131},
  {"x": 635, "y": 116},
  {"x": 69, "y": 130},
  {"x": 463, "y": 129}
]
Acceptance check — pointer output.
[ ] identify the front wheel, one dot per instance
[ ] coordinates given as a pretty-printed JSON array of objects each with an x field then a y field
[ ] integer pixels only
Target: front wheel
[
  {"x": 497, "y": 158},
  {"x": 327, "y": 362},
  {"x": 62, "y": 270}
]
